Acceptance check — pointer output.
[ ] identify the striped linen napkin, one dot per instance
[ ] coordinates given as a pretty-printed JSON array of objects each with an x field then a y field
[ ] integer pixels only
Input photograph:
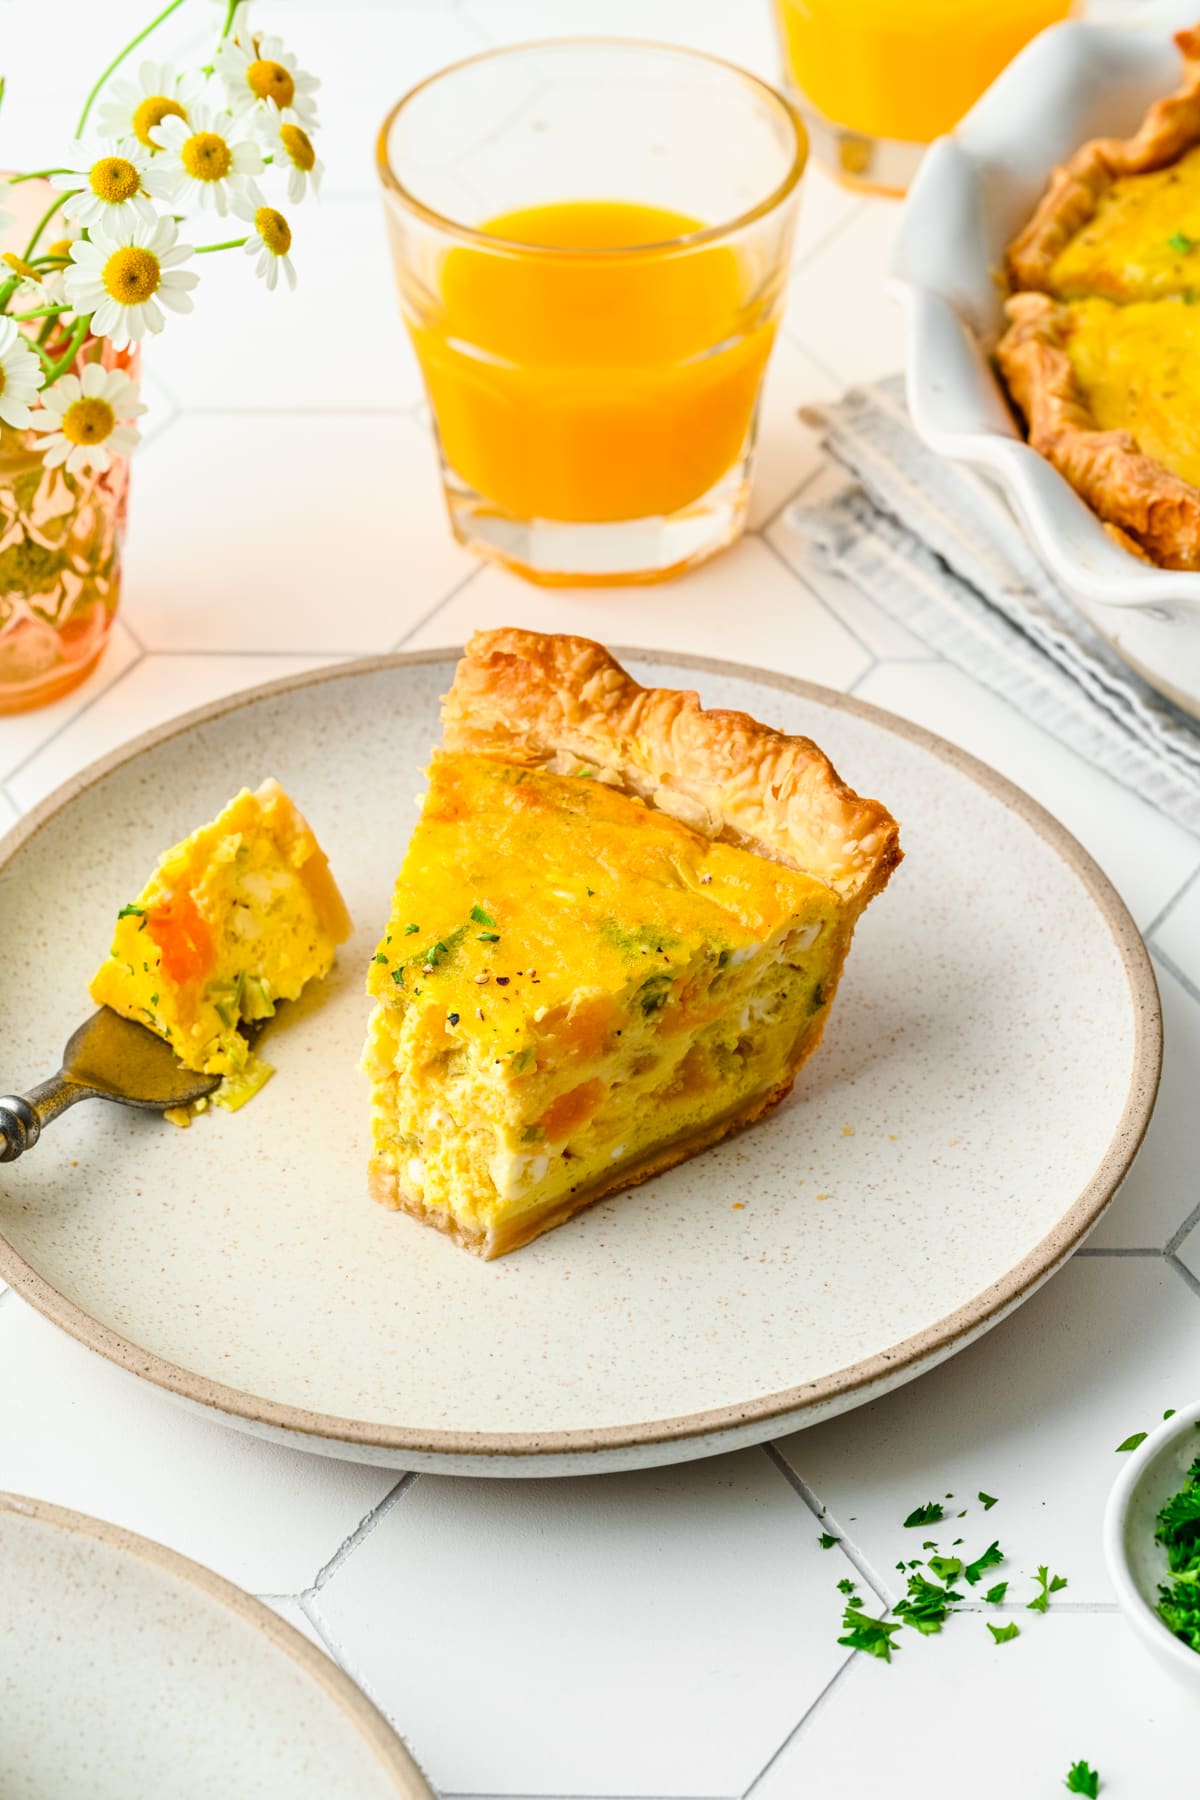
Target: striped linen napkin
[{"x": 937, "y": 548}]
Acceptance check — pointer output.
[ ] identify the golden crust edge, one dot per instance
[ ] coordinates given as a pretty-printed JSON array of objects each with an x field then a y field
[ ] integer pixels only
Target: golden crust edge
[
  {"x": 1171, "y": 126},
  {"x": 539, "y": 699},
  {"x": 385, "y": 1188},
  {"x": 1148, "y": 509}
]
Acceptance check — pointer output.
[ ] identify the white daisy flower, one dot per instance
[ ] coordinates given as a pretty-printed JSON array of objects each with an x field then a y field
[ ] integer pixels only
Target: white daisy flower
[
  {"x": 86, "y": 421},
  {"x": 131, "y": 109},
  {"x": 20, "y": 376},
  {"x": 31, "y": 290},
  {"x": 124, "y": 278},
  {"x": 110, "y": 190},
  {"x": 292, "y": 149},
  {"x": 208, "y": 161},
  {"x": 262, "y": 78},
  {"x": 270, "y": 241}
]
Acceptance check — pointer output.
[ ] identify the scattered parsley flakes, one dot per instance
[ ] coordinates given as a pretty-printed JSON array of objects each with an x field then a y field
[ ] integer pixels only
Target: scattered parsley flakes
[
  {"x": 1170, "y": 1413},
  {"x": 1177, "y": 1529},
  {"x": 1004, "y": 1634},
  {"x": 1132, "y": 1442},
  {"x": 927, "y": 1606},
  {"x": 991, "y": 1556},
  {"x": 126, "y": 912},
  {"x": 929, "y": 1514},
  {"x": 480, "y": 917},
  {"x": 409, "y": 929},
  {"x": 874, "y": 1636},
  {"x": 488, "y": 937},
  {"x": 398, "y": 977},
  {"x": 1181, "y": 243},
  {"x": 827, "y": 1540},
  {"x": 946, "y": 1568},
  {"x": 1082, "y": 1779},
  {"x": 987, "y": 1500},
  {"x": 1049, "y": 1585},
  {"x": 380, "y": 956},
  {"x": 996, "y": 1594}
]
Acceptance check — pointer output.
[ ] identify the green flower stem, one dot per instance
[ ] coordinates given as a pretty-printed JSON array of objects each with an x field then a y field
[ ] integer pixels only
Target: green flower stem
[
  {"x": 232, "y": 244},
  {"x": 7, "y": 289},
  {"x": 63, "y": 363},
  {"x": 119, "y": 58},
  {"x": 42, "y": 223},
  {"x": 47, "y": 365},
  {"x": 38, "y": 175},
  {"x": 40, "y": 312},
  {"x": 228, "y": 25}
]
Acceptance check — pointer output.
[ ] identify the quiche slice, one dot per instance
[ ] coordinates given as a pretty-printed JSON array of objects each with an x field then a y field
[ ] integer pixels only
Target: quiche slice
[
  {"x": 240, "y": 915},
  {"x": 1100, "y": 353},
  {"x": 616, "y": 936}
]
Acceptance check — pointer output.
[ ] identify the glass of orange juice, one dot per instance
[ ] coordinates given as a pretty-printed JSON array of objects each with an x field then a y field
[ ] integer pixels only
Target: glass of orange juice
[
  {"x": 591, "y": 241},
  {"x": 877, "y": 80}
]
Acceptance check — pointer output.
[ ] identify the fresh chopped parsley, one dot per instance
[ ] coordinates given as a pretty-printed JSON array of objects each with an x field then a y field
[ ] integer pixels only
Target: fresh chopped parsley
[
  {"x": 1049, "y": 1585},
  {"x": 132, "y": 911},
  {"x": 488, "y": 937},
  {"x": 1004, "y": 1634},
  {"x": 996, "y": 1594},
  {"x": 929, "y": 1514},
  {"x": 480, "y": 917},
  {"x": 1170, "y": 1413},
  {"x": 398, "y": 977},
  {"x": 946, "y": 1568},
  {"x": 1132, "y": 1441},
  {"x": 874, "y": 1636},
  {"x": 988, "y": 1500},
  {"x": 1082, "y": 1779},
  {"x": 1177, "y": 1529},
  {"x": 827, "y": 1540},
  {"x": 1181, "y": 243},
  {"x": 927, "y": 1606},
  {"x": 380, "y": 956},
  {"x": 991, "y": 1556},
  {"x": 409, "y": 929},
  {"x": 845, "y": 1585}
]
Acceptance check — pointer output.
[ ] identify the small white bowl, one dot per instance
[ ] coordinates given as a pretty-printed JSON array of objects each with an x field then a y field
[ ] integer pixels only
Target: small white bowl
[
  {"x": 1150, "y": 1475},
  {"x": 973, "y": 192}
]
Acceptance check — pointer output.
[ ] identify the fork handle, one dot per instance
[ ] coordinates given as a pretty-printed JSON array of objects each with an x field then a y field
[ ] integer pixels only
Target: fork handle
[{"x": 22, "y": 1116}]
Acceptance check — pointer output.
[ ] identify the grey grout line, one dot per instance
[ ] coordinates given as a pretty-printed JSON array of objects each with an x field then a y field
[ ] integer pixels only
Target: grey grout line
[
  {"x": 1184, "y": 1273},
  {"x": 834, "y": 1681},
  {"x": 315, "y": 1617},
  {"x": 455, "y": 591},
  {"x": 82, "y": 711},
  {"x": 1171, "y": 904},
  {"x": 361, "y": 1532},
  {"x": 828, "y": 237},
  {"x": 1185, "y": 1231},
  {"x": 1172, "y": 967},
  {"x": 856, "y": 1557},
  {"x": 1122, "y": 1251},
  {"x": 824, "y": 605}
]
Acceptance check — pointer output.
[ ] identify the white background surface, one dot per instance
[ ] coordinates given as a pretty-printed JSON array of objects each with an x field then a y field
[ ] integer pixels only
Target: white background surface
[{"x": 670, "y": 1633}]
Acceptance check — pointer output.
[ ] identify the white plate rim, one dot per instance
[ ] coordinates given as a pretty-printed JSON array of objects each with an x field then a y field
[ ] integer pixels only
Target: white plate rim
[
  {"x": 797, "y": 1405},
  {"x": 366, "y": 1719}
]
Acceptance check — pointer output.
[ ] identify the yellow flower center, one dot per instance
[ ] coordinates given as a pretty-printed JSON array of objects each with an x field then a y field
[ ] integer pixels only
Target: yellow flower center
[
  {"x": 19, "y": 266},
  {"x": 207, "y": 157},
  {"x": 274, "y": 230},
  {"x": 298, "y": 145},
  {"x": 152, "y": 112},
  {"x": 270, "y": 81},
  {"x": 131, "y": 275},
  {"x": 114, "y": 179},
  {"x": 60, "y": 247},
  {"x": 88, "y": 421}
]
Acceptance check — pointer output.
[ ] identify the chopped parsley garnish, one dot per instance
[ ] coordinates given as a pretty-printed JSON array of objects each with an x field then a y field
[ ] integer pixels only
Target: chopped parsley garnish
[
  {"x": 861, "y": 1632},
  {"x": 488, "y": 937},
  {"x": 988, "y": 1500},
  {"x": 398, "y": 977},
  {"x": 480, "y": 917},
  {"x": 996, "y": 1594},
  {"x": 1004, "y": 1634},
  {"x": 845, "y": 1585},
  {"x": 1177, "y": 1529},
  {"x": 409, "y": 929},
  {"x": 126, "y": 912},
  {"x": 929, "y": 1514},
  {"x": 991, "y": 1556},
  {"x": 1170, "y": 1413},
  {"x": 380, "y": 956},
  {"x": 946, "y": 1568},
  {"x": 1083, "y": 1779},
  {"x": 1049, "y": 1585},
  {"x": 827, "y": 1540},
  {"x": 927, "y": 1606},
  {"x": 1181, "y": 243},
  {"x": 1132, "y": 1441}
]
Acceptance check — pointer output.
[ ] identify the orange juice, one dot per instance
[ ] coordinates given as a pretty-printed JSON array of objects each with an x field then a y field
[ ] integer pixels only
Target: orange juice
[
  {"x": 904, "y": 69},
  {"x": 586, "y": 385}
]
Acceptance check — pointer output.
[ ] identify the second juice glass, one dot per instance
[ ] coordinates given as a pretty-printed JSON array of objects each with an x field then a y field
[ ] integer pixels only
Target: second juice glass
[{"x": 591, "y": 241}]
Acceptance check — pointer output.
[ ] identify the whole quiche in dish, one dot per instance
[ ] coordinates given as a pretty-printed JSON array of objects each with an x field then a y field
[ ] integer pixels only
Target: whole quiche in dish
[
  {"x": 616, "y": 936},
  {"x": 1102, "y": 349}
]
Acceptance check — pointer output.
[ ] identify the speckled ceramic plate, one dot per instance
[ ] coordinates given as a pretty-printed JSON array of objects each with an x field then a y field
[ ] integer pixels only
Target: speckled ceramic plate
[
  {"x": 985, "y": 1080},
  {"x": 129, "y": 1673}
]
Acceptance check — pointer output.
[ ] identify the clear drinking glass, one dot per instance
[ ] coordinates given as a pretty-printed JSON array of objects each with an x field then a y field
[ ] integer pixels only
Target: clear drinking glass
[{"x": 591, "y": 241}]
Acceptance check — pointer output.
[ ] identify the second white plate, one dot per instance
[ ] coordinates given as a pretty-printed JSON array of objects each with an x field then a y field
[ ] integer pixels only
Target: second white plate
[{"x": 988, "y": 1071}]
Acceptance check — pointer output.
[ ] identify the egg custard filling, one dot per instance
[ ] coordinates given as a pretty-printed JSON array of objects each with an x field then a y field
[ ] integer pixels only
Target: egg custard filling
[
  {"x": 576, "y": 987},
  {"x": 240, "y": 915},
  {"x": 1138, "y": 367},
  {"x": 1142, "y": 242}
]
